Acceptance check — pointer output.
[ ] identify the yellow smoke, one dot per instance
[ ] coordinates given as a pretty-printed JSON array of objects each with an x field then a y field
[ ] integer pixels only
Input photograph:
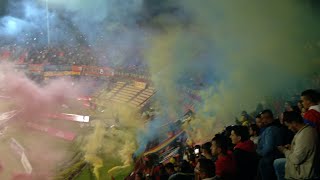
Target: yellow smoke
[
  {"x": 113, "y": 143},
  {"x": 94, "y": 144},
  {"x": 262, "y": 52}
]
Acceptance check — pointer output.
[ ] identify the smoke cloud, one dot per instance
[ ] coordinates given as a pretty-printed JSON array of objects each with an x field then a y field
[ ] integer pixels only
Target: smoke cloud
[
  {"x": 237, "y": 53},
  {"x": 243, "y": 52},
  {"x": 32, "y": 99}
]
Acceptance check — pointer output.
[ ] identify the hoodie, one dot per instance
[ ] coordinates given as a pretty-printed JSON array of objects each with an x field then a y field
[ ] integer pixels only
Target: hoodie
[
  {"x": 246, "y": 160},
  {"x": 312, "y": 117},
  {"x": 246, "y": 146},
  {"x": 226, "y": 166}
]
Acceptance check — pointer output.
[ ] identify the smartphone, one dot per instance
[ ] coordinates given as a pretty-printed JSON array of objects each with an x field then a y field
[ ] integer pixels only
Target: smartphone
[{"x": 196, "y": 151}]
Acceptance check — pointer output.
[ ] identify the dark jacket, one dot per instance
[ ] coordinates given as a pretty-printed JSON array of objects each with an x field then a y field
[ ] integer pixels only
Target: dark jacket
[
  {"x": 246, "y": 160},
  {"x": 182, "y": 176}
]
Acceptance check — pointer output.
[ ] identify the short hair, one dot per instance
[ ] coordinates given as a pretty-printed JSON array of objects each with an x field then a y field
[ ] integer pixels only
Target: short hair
[
  {"x": 185, "y": 167},
  {"x": 258, "y": 115},
  {"x": 169, "y": 166},
  {"x": 312, "y": 95},
  {"x": 255, "y": 128},
  {"x": 207, "y": 166},
  {"x": 197, "y": 146},
  {"x": 292, "y": 116},
  {"x": 221, "y": 142},
  {"x": 268, "y": 112},
  {"x": 207, "y": 146},
  {"x": 241, "y": 131}
]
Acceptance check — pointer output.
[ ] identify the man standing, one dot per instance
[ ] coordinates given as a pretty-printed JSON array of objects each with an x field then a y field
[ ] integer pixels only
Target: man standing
[
  {"x": 244, "y": 153},
  {"x": 301, "y": 157},
  {"x": 270, "y": 138},
  {"x": 310, "y": 101},
  {"x": 225, "y": 163}
]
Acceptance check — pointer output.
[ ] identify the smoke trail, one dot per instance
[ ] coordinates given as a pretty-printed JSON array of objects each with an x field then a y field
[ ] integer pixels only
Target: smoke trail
[
  {"x": 94, "y": 144},
  {"x": 251, "y": 52}
]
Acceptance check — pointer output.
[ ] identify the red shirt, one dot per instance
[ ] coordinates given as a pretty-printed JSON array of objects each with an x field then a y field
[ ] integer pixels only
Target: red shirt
[
  {"x": 312, "y": 117},
  {"x": 226, "y": 166}
]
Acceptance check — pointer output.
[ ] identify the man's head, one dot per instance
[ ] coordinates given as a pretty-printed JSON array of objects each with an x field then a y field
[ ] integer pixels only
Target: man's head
[
  {"x": 169, "y": 168},
  {"x": 206, "y": 148},
  {"x": 309, "y": 98},
  {"x": 219, "y": 145},
  {"x": 254, "y": 130},
  {"x": 239, "y": 134},
  {"x": 266, "y": 117},
  {"x": 293, "y": 120},
  {"x": 259, "y": 121},
  {"x": 206, "y": 168}
]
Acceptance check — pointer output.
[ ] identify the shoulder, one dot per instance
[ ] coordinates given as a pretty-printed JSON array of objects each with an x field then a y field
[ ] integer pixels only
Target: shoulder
[{"x": 308, "y": 134}]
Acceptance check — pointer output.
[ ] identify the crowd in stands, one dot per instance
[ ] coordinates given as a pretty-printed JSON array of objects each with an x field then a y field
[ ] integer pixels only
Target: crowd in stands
[
  {"x": 264, "y": 148},
  {"x": 68, "y": 55},
  {"x": 59, "y": 55}
]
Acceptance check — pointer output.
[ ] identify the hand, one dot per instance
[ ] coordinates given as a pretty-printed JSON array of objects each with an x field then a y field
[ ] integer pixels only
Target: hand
[
  {"x": 288, "y": 146},
  {"x": 281, "y": 148}
]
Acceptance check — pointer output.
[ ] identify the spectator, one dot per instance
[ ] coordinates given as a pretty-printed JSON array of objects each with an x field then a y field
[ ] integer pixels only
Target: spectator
[
  {"x": 254, "y": 133},
  {"x": 259, "y": 121},
  {"x": 225, "y": 163},
  {"x": 206, "y": 150},
  {"x": 170, "y": 169},
  {"x": 310, "y": 100},
  {"x": 287, "y": 134},
  {"x": 270, "y": 138},
  {"x": 301, "y": 108},
  {"x": 301, "y": 157},
  {"x": 139, "y": 176},
  {"x": 185, "y": 172},
  {"x": 206, "y": 169},
  {"x": 244, "y": 153}
]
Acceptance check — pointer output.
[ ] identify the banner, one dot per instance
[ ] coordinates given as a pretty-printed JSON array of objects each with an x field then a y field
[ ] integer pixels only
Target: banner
[
  {"x": 134, "y": 76},
  {"x": 59, "y": 73},
  {"x": 57, "y": 68},
  {"x": 97, "y": 71},
  {"x": 76, "y": 68},
  {"x": 21, "y": 66},
  {"x": 69, "y": 117},
  {"x": 5, "y": 117},
  {"x": 164, "y": 144},
  {"x": 36, "y": 68},
  {"x": 70, "y": 136},
  {"x": 16, "y": 147},
  {"x": 26, "y": 163}
]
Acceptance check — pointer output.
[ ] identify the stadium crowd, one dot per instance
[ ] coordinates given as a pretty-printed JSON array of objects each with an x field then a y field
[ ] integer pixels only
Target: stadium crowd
[
  {"x": 266, "y": 147},
  {"x": 68, "y": 55},
  {"x": 262, "y": 148}
]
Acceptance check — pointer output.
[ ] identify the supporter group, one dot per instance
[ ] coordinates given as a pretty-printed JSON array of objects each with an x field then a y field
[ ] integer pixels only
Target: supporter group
[{"x": 266, "y": 147}]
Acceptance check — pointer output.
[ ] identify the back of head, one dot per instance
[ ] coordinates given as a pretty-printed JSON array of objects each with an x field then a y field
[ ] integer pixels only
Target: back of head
[
  {"x": 207, "y": 147},
  {"x": 185, "y": 167},
  {"x": 242, "y": 131},
  {"x": 207, "y": 168},
  {"x": 169, "y": 166},
  {"x": 255, "y": 128},
  {"x": 292, "y": 116}
]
